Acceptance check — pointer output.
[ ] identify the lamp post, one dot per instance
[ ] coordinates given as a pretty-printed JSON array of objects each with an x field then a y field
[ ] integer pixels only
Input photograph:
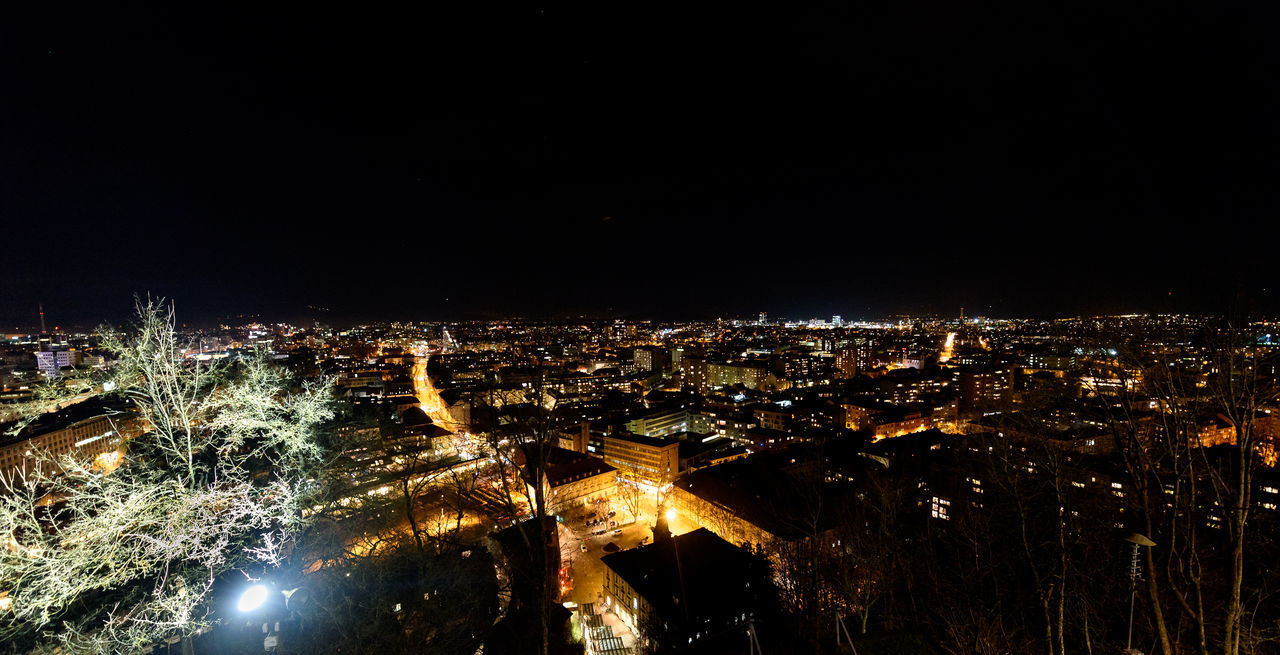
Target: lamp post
[
  {"x": 1135, "y": 572},
  {"x": 258, "y": 595}
]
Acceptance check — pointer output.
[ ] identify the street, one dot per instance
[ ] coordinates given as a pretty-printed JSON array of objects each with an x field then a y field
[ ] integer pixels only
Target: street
[{"x": 586, "y": 572}]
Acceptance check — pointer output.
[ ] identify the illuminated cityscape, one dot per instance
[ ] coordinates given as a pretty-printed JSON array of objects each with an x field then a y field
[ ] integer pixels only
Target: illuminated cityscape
[
  {"x": 608, "y": 329},
  {"x": 822, "y": 483}
]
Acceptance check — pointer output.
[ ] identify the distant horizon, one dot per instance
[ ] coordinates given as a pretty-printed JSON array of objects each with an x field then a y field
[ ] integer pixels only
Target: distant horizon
[{"x": 773, "y": 319}]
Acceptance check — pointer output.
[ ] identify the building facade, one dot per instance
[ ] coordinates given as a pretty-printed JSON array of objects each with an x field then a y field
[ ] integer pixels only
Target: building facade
[{"x": 652, "y": 461}]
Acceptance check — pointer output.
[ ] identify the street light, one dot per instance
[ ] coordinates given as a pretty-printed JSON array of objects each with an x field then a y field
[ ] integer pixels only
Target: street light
[
  {"x": 296, "y": 597},
  {"x": 252, "y": 598},
  {"x": 255, "y": 597},
  {"x": 1135, "y": 572}
]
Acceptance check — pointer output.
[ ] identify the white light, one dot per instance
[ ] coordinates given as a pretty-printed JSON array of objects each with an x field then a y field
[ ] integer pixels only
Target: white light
[
  {"x": 671, "y": 515},
  {"x": 252, "y": 598},
  {"x": 89, "y": 440}
]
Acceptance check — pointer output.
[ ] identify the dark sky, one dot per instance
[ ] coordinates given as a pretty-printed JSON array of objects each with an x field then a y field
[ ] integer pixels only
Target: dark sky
[{"x": 636, "y": 158}]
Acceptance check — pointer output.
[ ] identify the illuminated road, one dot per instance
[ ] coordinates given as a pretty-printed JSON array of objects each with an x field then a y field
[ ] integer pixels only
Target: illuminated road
[
  {"x": 587, "y": 571},
  {"x": 947, "y": 348},
  {"x": 428, "y": 398}
]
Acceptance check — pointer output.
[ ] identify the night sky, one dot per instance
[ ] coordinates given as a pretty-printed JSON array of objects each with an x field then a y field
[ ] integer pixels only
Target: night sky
[{"x": 636, "y": 159}]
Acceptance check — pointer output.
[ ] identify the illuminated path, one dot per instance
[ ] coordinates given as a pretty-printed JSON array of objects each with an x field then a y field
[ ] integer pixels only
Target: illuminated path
[
  {"x": 428, "y": 398},
  {"x": 947, "y": 348}
]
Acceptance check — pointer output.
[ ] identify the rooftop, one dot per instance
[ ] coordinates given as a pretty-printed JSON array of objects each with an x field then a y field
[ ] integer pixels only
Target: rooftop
[
  {"x": 567, "y": 465},
  {"x": 695, "y": 574},
  {"x": 652, "y": 442},
  {"x": 63, "y": 418}
]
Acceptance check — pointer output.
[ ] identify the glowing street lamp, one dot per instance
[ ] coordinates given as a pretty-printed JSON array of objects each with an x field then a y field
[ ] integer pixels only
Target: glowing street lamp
[
  {"x": 252, "y": 598},
  {"x": 255, "y": 597}
]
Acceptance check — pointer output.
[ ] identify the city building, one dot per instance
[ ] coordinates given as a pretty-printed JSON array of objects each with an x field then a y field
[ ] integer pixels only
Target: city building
[
  {"x": 51, "y": 362},
  {"x": 652, "y": 358},
  {"x": 773, "y": 417},
  {"x": 693, "y": 372},
  {"x": 89, "y": 430},
  {"x": 847, "y": 361},
  {"x": 652, "y": 461},
  {"x": 574, "y": 479},
  {"x": 983, "y": 390},
  {"x": 417, "y": 427},
  {"x": 662, "y": 422},
  {"x": 751, "y": 502},
  {"x": 884, "y": 421},
  {"x": 683, "y": 589},
  {"x": 751, "y": 376}
]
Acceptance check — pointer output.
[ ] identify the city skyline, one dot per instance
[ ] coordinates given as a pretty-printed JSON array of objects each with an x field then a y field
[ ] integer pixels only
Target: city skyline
[
  {"x": 323, "y": 319},
  {"x": 673, "y": 487}
]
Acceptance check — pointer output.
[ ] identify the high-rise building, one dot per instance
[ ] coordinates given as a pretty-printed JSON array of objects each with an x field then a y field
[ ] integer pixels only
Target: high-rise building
[
  {"x": 982, "y": 390},
  {"x": 693, "y": 372},
  {"x": 621, "y": 330},
  {"x": 652, "y": 358},
  {"x": 51, "y": 362},
  {"x": 848, "y": 358},
  {"x": 764, "y": 318},
  {"x": 52, "y": 355}
]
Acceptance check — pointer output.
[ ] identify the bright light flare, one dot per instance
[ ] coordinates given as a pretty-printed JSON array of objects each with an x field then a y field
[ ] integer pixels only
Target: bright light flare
[
  {"x": 671, "y": 515},
  {"x": 252, "y": 598}
]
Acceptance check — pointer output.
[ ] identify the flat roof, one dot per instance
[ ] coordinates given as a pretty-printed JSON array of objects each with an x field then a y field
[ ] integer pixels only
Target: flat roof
[
  {"x": 652, "y": 442},
  {"x": 63, "y": 418}
]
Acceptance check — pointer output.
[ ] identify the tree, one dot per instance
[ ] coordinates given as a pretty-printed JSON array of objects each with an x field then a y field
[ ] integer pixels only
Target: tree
[
  {"x": 1193, "y": 495},
  {"x": 376, "y": 590},
  {"x": 519, "y": 439},
  {"x": 388, "y": 561},
  {"x": 630, "y": 496},
  {"x": 215, "y": 482}
]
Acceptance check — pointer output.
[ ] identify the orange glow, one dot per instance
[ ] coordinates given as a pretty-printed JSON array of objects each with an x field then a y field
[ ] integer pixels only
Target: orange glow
[
  {"x": 428, "y": 398},
  {"x": 948, "y": 348},
  {"x": 108, "y": 461}
]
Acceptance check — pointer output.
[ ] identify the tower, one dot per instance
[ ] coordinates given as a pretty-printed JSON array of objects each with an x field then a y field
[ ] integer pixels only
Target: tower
[
  {"x": 661, "y": 531},
  {"x": 44, "y": 342}
]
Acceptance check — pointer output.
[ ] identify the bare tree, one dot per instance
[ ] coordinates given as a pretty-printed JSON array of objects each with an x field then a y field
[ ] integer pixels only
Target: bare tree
[
  {"x": 520, "y": 439},
  {"x": 218, "y": 481},
  {"x": 1194, "y": 496},
  {"x": 629, "y": 494}
]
